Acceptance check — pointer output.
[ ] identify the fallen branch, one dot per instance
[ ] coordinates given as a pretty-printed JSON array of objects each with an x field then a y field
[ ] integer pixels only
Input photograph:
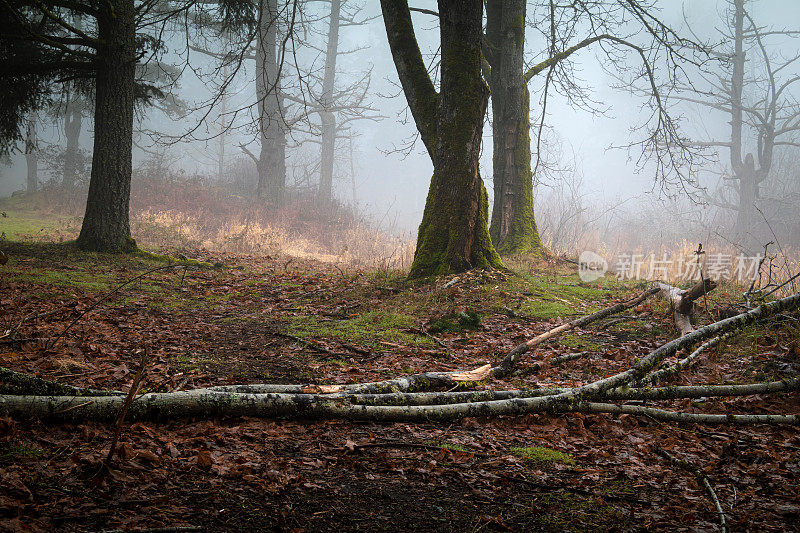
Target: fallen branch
[
  {"x": 137, "y": 383},
  {"x": 20, "y": 383},
  {"x": 560, "y": 359},
  {"x": 507, "y": 364},
  {"x": 672, "y": 370},
  {"x": 702, "y": 479},
  {"x": 187, "y": 404},
  {"x": 334, "y": 402},
  {"x": 645, "y": 365}
]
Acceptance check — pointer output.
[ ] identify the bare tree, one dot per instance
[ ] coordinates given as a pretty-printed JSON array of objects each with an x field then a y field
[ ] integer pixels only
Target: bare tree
[
  {"x": 74, "y": 108},
  {"x": 335, "y": 105},
  {"x": 626, "y": 33},
  {"x": 751, "y": 84}
]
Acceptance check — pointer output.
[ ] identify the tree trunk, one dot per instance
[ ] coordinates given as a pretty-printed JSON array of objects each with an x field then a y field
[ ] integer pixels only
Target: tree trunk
[
  {"x": 743, "y": 169},
  {"x": 31, "y": 155},
  {"x": 106, "y": 225},
  {"x": 513, "y": 229},
  {"x": 72, "y": 130},
  {"x": 327, "y": 117},
  {"x": 746, "y": 214},
  {"x": 453, "y": 235},
  {"x": 272, "y": 159}
]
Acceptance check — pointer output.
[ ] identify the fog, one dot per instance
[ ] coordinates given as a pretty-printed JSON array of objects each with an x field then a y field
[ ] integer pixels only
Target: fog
[{"x": 596, "y": 193}]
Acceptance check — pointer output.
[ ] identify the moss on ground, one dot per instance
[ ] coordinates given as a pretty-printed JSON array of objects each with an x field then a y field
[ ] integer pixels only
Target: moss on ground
[
  {"x": 541, "y": 454},
  {"x": 468, "y": 320},
  {"x": 369, "y": 329},
  {"x": 580, "y": 342}
]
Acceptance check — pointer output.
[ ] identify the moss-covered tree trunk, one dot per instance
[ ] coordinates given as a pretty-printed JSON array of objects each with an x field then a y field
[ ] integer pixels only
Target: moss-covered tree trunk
[
  {"x": 106, "y": 225},
  {"x": 453, "y": 235},
  {"x": 513, "y": 227}
]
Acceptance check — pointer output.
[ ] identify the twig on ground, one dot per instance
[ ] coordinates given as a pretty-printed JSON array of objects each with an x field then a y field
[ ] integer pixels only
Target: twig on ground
[
  {"x": 702, "y": 479},
  {"x": 421, "y": 331},
  {"x": 137, "y": 382}
]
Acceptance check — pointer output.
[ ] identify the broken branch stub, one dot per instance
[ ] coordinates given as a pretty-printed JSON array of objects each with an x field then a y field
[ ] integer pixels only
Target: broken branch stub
[{"x": 682, "y": 301}]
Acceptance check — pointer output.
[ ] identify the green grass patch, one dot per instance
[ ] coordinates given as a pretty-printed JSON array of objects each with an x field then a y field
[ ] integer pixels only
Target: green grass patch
[
  {"x": 580, "y": 342},
  {"x": 20, "y": 225},
  {"x": 94, "y": 281},
  {"x": 541, "y": 454},
  {"x": 13, "y": 451},
  {"x": 548, "y": 295},
  {"x": 368, "y": 329},
  {"x": 391, "y": 278}
]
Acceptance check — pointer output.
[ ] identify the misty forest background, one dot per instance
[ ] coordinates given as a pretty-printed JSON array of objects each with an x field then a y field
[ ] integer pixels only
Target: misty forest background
[
  {"x": 262, "y": 261},
  {"x": 289, "y": 131}
]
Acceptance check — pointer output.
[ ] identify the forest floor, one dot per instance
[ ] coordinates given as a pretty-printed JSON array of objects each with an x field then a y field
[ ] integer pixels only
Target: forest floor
[{"x": 274, "y": 319}]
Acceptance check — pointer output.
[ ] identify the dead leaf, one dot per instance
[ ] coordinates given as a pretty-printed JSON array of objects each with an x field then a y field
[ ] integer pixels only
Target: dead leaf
[
  {"x": 204, "y": 459},
  {"x": 172, "y": 450},
  {"x": 147, "y": 455}
]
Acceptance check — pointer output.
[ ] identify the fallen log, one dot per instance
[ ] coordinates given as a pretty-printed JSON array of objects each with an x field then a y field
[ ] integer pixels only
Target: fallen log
[
  {"x": 207, "y": 404},
  {"x": 213, "y": 403}
]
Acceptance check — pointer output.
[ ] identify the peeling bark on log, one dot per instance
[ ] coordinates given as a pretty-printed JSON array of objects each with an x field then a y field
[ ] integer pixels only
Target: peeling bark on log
[{"x": 170, "y": 406}]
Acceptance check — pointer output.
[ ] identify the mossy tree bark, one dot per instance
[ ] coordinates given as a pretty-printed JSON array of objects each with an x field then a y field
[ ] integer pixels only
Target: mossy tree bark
[
  {"x": 272, "y": 159},
  {"x": 106, "y": 226},
  {"x": 513, "y": 229},
  {"x": 453, "y": 235}
]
